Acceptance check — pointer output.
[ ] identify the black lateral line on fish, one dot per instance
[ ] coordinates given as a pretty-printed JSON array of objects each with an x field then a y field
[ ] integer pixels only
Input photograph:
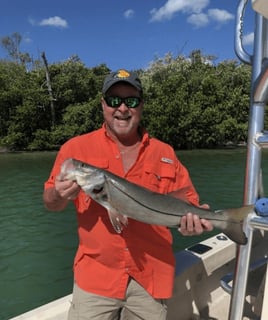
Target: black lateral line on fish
[{"x": 171, "y": 214}]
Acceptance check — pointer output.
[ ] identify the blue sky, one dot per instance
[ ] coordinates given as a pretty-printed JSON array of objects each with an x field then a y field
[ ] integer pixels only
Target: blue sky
[{"x": 123, "y": 33}]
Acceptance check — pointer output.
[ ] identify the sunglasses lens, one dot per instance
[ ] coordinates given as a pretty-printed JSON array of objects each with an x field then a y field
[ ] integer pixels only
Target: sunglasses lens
[
  {"x": 113, "y": 102},
  {"x": 130, "y": 102}
]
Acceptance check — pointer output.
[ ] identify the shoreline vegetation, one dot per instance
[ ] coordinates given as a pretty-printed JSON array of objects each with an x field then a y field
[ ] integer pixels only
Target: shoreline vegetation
[
  {"x": 189, "y": 102},
  {"x": 229, "y": 145}
]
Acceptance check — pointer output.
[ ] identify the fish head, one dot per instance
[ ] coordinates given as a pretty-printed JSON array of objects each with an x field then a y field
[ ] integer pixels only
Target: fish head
[{"x": 89, "y": 178}]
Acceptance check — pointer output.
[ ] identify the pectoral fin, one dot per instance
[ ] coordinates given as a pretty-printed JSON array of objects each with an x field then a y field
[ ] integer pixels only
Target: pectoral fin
[{"x": 118, "y": 220}]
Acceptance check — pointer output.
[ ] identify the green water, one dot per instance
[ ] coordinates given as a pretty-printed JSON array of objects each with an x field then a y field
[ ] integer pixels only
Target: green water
[{"x": 37, "y": 247}]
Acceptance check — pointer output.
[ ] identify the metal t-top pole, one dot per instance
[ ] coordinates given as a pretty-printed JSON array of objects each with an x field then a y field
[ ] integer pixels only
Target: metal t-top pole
[{"x": 256, "y": 140}]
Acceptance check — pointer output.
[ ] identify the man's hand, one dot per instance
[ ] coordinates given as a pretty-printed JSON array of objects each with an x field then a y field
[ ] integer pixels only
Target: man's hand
[
  {"x": 66, "y": 189},
  {"x": 191, "y": 224},
  {"x": 56, "y": 198}
]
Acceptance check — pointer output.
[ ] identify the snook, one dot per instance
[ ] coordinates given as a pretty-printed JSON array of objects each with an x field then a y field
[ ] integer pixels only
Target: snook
[{"x": 124, "y": 199}]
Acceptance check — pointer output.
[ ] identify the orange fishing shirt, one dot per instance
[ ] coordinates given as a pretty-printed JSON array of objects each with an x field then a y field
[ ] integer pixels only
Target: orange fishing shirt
[{"x": 105, "y": 259}]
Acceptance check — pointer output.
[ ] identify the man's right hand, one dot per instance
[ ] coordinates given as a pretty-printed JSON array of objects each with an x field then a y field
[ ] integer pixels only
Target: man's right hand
[
  {"x": 66, "y": 189},
  {"x": 56, "y": 198}
]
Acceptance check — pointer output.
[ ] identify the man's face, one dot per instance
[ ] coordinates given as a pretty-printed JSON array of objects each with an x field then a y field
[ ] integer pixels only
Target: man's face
[{"x": 122, "y": 121}]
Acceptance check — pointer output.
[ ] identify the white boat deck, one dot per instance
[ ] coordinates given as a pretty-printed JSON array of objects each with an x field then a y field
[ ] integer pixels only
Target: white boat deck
[
  {"x": 197, "y": 291},
  {"x": 55, "y": 310}
]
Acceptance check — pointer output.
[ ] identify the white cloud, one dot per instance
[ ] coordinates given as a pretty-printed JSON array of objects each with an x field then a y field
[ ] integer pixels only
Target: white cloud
[
  {"x": 248, "y": 39},
  {"x": 198, "y": 20},
  {"x": 202, "y": 19},
  {"x": 195, "y": 11},
  {"x": 221, "y": 16},
  {"x": 129, "y": 13},
  {"x": 56, "y": 21},
  {"x": 171, "y": 7}
]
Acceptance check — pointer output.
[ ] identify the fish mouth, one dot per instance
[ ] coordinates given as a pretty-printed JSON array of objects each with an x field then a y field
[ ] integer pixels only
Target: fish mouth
[{"x": 97, "y": 190}]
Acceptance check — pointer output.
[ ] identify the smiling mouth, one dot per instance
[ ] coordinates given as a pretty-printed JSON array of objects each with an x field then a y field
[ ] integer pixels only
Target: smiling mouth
[{"x": 122, "y": 118}]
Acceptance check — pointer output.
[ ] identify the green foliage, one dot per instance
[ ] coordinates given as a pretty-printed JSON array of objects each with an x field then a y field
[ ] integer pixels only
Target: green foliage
[
  {"x": 79, "y": 119},
  {"x": 192, "y": 103},
  {"x": 42, "y": 140},
  {"x": 189, "y": 102}
]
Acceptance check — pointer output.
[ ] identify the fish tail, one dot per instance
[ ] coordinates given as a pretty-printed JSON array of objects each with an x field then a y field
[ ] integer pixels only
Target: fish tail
[
  {"x": 234, "y": 225},
  {"x": 235, "y": 232}
]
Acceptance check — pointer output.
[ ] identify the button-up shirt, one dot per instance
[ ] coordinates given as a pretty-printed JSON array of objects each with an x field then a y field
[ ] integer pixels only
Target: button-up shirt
[{"x": 105, "y": 259}]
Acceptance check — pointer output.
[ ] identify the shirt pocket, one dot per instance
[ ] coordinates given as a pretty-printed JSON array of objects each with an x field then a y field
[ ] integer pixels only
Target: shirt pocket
[{"x": 159, "y": 177}]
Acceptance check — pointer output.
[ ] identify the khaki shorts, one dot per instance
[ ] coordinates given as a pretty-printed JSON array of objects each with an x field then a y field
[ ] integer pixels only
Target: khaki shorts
[{"x": 137, "y": 305}]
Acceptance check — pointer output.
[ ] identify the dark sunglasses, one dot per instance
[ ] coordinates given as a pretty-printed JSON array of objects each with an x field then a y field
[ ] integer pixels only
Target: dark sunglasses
[{"x": 130, "y": 102}]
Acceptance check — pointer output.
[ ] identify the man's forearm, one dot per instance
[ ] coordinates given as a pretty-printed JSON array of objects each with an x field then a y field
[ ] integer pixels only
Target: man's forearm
[{"x": 53, "y": 201}]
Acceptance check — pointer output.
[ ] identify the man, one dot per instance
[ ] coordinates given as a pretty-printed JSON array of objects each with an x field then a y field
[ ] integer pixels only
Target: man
[{"x": 127, "y": 275}]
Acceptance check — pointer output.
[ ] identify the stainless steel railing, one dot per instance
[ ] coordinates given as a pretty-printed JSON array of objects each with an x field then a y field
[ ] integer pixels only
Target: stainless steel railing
[{"x": 257, "y": 139}]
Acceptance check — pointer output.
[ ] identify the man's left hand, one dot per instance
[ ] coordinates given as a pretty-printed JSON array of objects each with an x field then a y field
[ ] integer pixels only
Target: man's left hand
[{"x": 191, "y": 224}]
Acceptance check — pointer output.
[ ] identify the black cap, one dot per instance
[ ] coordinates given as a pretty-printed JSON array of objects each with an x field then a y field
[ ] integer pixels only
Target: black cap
[{"x": 121, "y": 75}]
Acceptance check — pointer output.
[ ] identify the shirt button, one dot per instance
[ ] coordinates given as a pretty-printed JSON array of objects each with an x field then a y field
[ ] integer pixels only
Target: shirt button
[{"x": 126, "y": 248}]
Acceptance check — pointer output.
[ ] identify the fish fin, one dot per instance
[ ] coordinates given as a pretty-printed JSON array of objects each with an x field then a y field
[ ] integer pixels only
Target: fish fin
[
  {"x": 118, "y": 220},
  {"x": 235, "y": 232}
]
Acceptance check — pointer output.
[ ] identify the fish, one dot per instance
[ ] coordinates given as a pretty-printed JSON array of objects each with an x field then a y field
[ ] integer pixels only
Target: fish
[{"x": 124, "y": 199}]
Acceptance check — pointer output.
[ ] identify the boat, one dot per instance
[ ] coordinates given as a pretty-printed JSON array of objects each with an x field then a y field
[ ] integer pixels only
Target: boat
[{"x": 217, "y": 279}]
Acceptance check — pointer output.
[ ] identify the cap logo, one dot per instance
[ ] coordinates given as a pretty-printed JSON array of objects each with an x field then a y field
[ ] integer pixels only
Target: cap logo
[{"x": 122, "y": 74}]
